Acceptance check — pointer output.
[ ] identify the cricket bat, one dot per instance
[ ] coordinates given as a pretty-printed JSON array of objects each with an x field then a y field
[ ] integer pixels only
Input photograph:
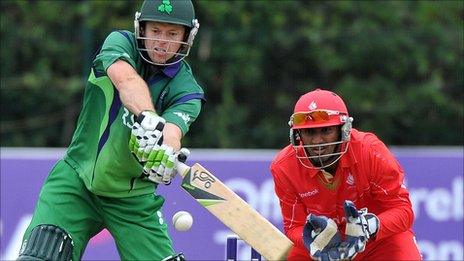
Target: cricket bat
[{"x": 234, "y": 212}]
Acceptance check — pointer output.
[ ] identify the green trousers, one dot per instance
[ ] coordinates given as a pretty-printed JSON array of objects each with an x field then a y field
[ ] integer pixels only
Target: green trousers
[{"x": 136, "y": 223}]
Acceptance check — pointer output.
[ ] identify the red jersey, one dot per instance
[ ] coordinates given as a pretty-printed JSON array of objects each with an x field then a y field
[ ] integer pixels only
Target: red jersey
[{"x": 367, "y": 174}]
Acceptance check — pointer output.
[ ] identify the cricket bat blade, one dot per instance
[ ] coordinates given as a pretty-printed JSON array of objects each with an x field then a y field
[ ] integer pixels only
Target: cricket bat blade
[{"x": 234, "y": 212}]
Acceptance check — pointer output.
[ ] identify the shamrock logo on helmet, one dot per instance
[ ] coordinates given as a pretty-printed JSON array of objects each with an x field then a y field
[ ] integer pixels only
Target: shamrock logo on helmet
[{"x": 165, "y": 7}]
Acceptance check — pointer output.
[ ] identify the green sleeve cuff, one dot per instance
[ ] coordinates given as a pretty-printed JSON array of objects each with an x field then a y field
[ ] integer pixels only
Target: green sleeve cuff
[{"x": 183, "y": 115}]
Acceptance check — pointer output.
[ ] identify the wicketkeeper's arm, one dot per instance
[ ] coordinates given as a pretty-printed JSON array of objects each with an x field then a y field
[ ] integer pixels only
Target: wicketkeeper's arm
[{"x": 388, "y": 190}]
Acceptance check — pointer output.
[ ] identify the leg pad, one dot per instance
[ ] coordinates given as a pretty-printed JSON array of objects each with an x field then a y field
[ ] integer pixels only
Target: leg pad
[{"x": 47, "y": 242}]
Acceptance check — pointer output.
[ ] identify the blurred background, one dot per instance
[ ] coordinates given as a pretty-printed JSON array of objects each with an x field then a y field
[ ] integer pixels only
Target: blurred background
[{"x": 398, "y": 64}]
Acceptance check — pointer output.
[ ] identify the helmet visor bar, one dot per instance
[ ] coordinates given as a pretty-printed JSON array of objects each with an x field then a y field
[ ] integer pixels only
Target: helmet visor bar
[
  {"x": 319, "y": 116},
  {"x": 172, "y": 56},
  {"x": 303, "y": 155}
]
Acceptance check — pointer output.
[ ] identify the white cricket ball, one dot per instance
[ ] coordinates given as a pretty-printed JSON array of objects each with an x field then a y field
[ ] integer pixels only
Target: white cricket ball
[{"x": 182, "y": 220}]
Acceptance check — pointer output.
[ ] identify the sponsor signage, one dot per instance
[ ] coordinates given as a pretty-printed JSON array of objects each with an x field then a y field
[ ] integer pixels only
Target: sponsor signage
[{"x": 434, "y": 178}]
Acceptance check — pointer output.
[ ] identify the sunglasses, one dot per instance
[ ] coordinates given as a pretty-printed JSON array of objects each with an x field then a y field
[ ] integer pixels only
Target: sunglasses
[{"x": 300, "y": 118}]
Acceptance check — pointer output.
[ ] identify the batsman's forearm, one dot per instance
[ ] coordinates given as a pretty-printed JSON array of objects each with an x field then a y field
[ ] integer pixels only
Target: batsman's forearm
[
  {"x": 133, "y": 90},
  {"x": 135, "y": 97},
  {"x": 172, "y": 136}
]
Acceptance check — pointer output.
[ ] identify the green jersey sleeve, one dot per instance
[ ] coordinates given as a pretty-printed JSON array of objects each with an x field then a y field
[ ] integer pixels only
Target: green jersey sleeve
[
  {"x": 181, "y": 102},
  {"x": 183, "y": 114},
  {"x": 117, "y": 46}
]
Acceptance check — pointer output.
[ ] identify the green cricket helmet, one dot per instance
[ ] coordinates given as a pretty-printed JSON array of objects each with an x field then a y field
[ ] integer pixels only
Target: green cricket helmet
[{"x": 180, "y": 12}]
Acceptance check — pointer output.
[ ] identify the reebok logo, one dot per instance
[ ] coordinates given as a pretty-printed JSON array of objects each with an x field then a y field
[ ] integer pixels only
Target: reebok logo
[{"x": 309, "y": 193}]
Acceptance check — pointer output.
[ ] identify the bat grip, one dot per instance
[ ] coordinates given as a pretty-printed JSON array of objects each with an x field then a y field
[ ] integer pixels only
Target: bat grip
[{"x": 181, "y": 167}]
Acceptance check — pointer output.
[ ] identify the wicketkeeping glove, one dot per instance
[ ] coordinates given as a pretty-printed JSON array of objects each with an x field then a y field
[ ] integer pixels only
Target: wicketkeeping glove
[
  {"x": 322, "y": 239},
  {"x": 146, "y": 134},
  {"x": 360, "y": 227}
]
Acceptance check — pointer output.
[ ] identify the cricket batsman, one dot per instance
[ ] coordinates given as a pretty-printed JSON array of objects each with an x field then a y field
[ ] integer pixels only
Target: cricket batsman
[
  {"x": 140, "y": 99},
  {"x": 341, "y": 191}
]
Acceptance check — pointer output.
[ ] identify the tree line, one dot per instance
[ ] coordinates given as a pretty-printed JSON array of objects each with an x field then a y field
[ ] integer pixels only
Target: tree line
[{"x": 398, "y": 65}]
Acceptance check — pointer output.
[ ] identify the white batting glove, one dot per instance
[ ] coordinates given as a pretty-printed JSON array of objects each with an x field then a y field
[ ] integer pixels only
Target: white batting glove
[
  {"x": 146, "y": 134},
  {"x": 161, "y": 164}
]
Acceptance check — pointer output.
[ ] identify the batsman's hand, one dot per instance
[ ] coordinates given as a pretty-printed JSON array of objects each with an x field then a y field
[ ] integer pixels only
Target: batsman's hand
[
  {"x": 161, "y": 164},
  {"x": 146, "y": 135},
  {"x": 360, "y": 227},
  {"x": 322, "y": 239}
]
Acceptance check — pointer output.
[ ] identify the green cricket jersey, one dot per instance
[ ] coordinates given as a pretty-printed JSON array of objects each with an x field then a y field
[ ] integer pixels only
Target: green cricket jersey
[{"x": 99, "y": 149}]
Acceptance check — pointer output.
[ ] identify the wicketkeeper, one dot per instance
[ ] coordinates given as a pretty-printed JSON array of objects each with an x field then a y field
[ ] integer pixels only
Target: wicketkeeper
[{"x": 341, "y": 191}]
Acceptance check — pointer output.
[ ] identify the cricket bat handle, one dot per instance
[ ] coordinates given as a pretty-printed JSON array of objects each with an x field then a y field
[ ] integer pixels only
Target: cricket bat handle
[{"x": 181, "y": 167}]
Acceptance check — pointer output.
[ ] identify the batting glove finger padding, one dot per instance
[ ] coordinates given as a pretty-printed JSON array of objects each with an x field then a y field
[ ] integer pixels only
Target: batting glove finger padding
[
  {"x": 160, "y": 165},
  {"x": 146, "y": 134}
]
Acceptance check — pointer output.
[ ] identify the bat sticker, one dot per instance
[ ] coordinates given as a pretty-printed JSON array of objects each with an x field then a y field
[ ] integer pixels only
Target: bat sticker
[
  {"x": 203, "y": 177},
  {"x": 198, "y": 193}
]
